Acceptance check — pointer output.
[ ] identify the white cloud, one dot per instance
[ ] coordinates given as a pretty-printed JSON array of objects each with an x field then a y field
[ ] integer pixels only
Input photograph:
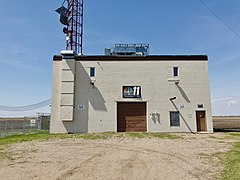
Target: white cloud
[
  {"x": 232, "y": 103},
  {"x": 226, "y": 106}
]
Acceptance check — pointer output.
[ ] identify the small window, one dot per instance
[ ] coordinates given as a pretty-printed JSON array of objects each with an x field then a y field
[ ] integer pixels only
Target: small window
[
  {"x": 174, "y": 118},
  {"x": 200, "y": 105},
  {"x": 92, "y": 71},
  {"x": 175, "y": 71}
]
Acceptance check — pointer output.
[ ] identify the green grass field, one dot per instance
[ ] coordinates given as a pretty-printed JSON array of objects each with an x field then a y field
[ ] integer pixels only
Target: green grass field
[
  {"x": 44, "y": 135},
  {"x": 232, "y": 160}
]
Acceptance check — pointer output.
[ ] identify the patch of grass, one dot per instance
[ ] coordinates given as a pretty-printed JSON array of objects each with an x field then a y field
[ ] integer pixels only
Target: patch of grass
[
  {"x": 106, "y": 135},
  {"x": 44, "y": 135},
  {"x": 152, "y": 135},
  {"x": 213, "y": 137},
  {"x": 235, "y": 134},
  {"x": 19, "y": 138},
  {"x": 165, "y": 136},
  {"x": 136, "y": 135},
  {"x": 24, "y": 137},
  {"x": 96, "y": 136},
  {"x": 232, "y": 163}
]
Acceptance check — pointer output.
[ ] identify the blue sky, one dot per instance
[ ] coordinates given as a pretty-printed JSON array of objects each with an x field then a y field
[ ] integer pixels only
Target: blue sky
[{"x": 31, "y": 34}]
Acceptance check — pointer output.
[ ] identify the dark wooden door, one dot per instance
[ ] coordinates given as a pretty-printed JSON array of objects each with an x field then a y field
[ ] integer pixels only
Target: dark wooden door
[
  {"x": 201, "y": 120},
  {"x": 131, "y": 116}
]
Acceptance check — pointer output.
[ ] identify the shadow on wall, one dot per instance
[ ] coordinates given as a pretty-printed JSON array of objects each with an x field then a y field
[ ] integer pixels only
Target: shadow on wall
[
  {"x": 91, "y": 91},
  {"x": 85, "y": 94},
  {"x": 184, "y": 95},
  {"x": 155, "y": 117},
  {"x": 70, "y": 64},
  {"x": 184, "y": 120}
]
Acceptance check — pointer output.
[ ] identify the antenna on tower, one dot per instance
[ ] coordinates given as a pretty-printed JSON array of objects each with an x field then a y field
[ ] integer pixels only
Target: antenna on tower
[{"x": 72, "y": 19}]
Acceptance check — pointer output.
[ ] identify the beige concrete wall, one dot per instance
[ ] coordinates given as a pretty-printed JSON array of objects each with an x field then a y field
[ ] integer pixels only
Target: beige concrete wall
[
  {"x": 62, "y": 109},
  {"x": 56, "y": 125},
  {"x": 95, "y": 106}
]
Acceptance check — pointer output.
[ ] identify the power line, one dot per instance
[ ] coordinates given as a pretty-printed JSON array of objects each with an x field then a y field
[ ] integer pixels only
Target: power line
[
  {"x": 220, "y": 19},
  {"x": 63, "y": 2},
  {"x": 26, "y": 108}
]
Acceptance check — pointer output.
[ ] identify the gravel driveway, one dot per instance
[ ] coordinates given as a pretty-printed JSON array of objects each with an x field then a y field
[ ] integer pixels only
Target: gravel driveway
[{"x": 193, "y": 157}]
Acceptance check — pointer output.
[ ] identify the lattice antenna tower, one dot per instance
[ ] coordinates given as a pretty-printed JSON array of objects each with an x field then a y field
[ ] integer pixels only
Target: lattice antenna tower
[
  {"x": 75, "y": 26},
  {"x": 72, "y": 18}
]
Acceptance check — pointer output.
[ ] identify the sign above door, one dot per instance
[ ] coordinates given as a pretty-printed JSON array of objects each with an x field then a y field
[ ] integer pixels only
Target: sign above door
[{"x": 131, "y": 91}]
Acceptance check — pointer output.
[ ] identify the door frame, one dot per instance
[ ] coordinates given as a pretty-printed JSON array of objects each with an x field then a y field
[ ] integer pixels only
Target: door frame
[
  {"x": 198, "y": 121},
  {"x": 146, "y": 110}
]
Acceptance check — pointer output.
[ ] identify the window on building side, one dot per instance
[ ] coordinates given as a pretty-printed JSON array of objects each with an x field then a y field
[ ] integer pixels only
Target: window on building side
[
  {"x": 92, "y": 71},
  {"x": 175, "y": 71},
  {"x": 174, "y": 118}
]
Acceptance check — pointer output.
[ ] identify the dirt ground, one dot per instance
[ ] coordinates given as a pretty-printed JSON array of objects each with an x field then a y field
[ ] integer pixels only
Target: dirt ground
[{"x": 193, "y": 157}]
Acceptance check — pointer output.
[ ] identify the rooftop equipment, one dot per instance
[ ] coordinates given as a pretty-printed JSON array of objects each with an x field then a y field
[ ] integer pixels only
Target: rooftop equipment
[{"x": 128, "y": 50}]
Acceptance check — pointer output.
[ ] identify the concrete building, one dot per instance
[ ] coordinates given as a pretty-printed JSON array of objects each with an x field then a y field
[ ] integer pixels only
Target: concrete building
[{"x": 130, "y": 93}]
